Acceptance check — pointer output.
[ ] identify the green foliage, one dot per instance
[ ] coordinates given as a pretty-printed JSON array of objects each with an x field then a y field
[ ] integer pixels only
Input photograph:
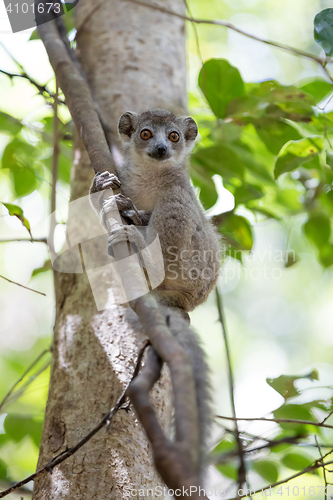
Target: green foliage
[
  {"x": 285, "y": 384},
  {"x": 281, "y": 450},
  {"x": 269, "y": 471},
  {"x": 323, "y": 30},
  {"x": 16, "y": 211},
  {"x": 220, "y": 83},
  {"x": 269, "y": 143},
  {"x": 17, "y": 427}
]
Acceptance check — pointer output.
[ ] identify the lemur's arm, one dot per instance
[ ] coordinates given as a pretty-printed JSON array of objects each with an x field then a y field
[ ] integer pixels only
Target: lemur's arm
[{"x": 126, "y": 207}]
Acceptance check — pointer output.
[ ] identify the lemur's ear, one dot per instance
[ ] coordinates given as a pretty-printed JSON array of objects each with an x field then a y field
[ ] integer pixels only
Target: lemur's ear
[
  {"x": 191, "y": 129},
  {"x": 127, "y": 125}
]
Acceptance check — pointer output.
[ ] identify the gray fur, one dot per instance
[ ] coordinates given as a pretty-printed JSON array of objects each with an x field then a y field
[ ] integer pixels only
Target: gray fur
[
  {"x": 157, "y": 194},
  {"x": 162, "y": 188}
]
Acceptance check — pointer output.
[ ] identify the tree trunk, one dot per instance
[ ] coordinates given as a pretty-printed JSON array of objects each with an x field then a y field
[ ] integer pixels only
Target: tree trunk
[{"x": 134, "y": 59}]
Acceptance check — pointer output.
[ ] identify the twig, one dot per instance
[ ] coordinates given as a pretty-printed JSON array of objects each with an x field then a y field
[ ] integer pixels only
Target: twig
[
  {"x": 17, "y": 394},
  {"x": 41, "y": 88},
  {"x": 31, "y": 240},
  {"x": 22, "y": 286},
  {"x": 226, "y": 24},
  {"x": 55, "y": 158},
  {"x": 278, "y": 421},
  {"x": 324, "y": 469},
  {"x": 327, "y": 417},
  {"x": 61, "y": 457},
  {"x": 78, "y": 96},
  {"x": 310, "y": 468},
  {"x": 242, "y": 468},
  {"x": 39, "y": 357}
]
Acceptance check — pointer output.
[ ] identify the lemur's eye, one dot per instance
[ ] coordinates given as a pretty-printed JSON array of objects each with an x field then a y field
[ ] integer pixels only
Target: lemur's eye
[
  {"x": 146, "y": 134},
  {"x": 173, "y": 136}
]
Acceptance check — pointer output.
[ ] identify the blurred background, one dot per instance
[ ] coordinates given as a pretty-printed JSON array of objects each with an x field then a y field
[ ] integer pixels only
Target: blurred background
[{"x": 278, "y": 316}]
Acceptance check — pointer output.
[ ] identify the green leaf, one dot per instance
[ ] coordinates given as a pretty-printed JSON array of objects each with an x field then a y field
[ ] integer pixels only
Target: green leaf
[
  {"x": 323, "y": 30},
  {"x": 296, "y": 461},
  {"x": 289, "y": 199},
  {"x": 267, "y": 470},
  {"x": 295, "y": 412},
  {"x": 17, "y": 211},
  {"x": 247, "y": 192},
  {"x": 17, "y": 427},
  {"x": 45, "y": 267},
  {"x": 220, "y": 83},
  {"x": 203, "y": 180},
  {"x": 220, "y": 159},
  {"x": 230, "y": 471},
  {"x": 236, "y": 230},
  {"x": 284, "y": 384},
  {"x": 225, "y": 446},
  {"x": 275, "y": 133},
  {"x": 318, "y": 229},
  {"x": 9, "y": 125},
  {"x": 34, "y": 35},
  {"x": 3, "y": 470},
  {"x": 319, "y": 89},
  {"x": 18, "y": 157},
  {"x": 297, "y": 153},
  {"x": 326, "y": 255}
]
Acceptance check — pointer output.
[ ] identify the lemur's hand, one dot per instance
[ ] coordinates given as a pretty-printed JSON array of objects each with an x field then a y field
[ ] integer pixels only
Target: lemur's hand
[
  {"x": 105, "y": 180},
  {"x": 128, "y": 210}
]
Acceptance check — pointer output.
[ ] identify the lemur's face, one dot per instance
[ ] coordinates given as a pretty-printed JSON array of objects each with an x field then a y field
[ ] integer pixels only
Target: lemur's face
[{"x": 157, "y": 135}]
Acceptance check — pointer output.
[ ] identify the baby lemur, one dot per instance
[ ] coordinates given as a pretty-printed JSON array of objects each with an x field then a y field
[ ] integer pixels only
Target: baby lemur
[{"x": 157, "y": 194}]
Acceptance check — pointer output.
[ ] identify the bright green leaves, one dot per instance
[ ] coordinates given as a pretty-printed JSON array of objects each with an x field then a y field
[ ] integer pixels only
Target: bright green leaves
[
  {"x": 274, "y": 134},
  {"x": 16, "y": 211},
  {"x": 9, "y": 125},
  {"x": 284, "y": 384},
  {"x": 267, "y": 470},
  {"x": 318, "y": 229},
  {"x": 297, "y": 153},
  {"x": 264, "y": 130},
  {"x": 236, "y": 230},
  {"x": 17, "y": 427},
  {"x": 19, "y": 158},
  {"x": 220, "y": 83},
  {"x": 323, "y": 30},
  {"x": 296, "y": 461}
]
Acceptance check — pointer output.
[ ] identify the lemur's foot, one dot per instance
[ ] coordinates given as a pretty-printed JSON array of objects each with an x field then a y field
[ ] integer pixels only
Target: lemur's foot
[
  {"x": 103, "y": 181},
  {"x": 128, "y": 234},
  {"x": 128, "y": 210}
]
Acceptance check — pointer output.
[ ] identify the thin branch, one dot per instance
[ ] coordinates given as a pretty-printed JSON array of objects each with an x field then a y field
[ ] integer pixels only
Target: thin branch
[
  {"x": 278, "y": 421},
  {"x": 327, "y": 417},
  {"x": 242, "y": 468},
  {"x": 17, "y": 394},
  {"x": 310, "y": 468},
  {"x": 61, "y": 457},
  {"x": 31, "y": 240},
  {"x": 22, "y": 286},
  {"x": 78, "y": 96},
  {"x": 297, "y": 52},
  {"x": 55, "y": 161},
  {"x": 11, "y": 390},
  {"x": 42, "y": 89},
  {"x": 324, "y": 468}
]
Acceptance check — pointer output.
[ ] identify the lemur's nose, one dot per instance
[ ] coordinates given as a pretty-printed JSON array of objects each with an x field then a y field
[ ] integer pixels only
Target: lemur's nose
[{"x": 161, "y": 149}]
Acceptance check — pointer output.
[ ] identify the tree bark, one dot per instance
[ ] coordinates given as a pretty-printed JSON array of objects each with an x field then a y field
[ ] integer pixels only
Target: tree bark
[{"x": 134, "y": 59}]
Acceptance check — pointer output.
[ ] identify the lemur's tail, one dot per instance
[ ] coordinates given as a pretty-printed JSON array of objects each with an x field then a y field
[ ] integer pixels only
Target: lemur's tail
[{"x": 191, "y": 343}]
